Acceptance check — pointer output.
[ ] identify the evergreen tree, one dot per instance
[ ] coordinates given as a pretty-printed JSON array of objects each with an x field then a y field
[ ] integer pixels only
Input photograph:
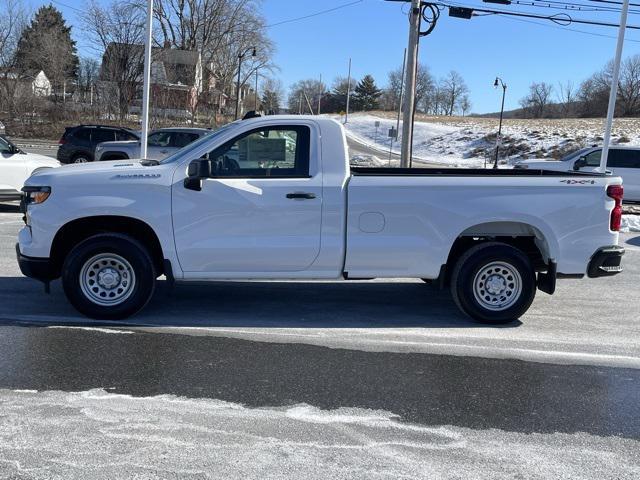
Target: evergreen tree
[
  {"x": 367, "y": 94},
  {"x": 46, "y": 45}
]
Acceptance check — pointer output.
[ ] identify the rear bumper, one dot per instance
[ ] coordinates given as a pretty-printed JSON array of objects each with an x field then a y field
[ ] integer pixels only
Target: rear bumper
[
  {"x": 606, "y": 262},
  {"x": 38, "y": 268}
]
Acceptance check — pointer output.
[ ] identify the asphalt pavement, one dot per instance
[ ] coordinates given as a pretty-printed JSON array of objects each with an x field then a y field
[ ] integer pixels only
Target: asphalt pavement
[{"x": 367, "y": 379}]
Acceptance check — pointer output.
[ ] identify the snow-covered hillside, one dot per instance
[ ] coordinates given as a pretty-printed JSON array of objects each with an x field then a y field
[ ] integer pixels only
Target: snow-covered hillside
[{"x": 468, "y": 142}]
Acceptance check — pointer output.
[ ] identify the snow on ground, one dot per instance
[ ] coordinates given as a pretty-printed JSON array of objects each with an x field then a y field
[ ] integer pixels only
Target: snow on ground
[
  {"x": 630, "y": 223},
  {"x": 101, "y": 435},
  {"x": 469, "y": 141}
]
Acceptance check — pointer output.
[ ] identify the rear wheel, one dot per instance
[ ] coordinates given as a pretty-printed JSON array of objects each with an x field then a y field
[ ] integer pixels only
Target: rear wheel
[
  {"x": 81, "y": 159},
  {"x": 493, "y": 283},
  {"x": 109, "y": 276}
]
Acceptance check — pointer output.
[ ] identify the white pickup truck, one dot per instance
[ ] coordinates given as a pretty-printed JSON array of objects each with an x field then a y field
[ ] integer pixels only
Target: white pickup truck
[{"x": 274, "y": 198}]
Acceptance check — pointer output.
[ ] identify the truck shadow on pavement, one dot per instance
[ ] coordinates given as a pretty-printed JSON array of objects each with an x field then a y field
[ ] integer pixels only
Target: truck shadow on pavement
[
  {"x": 373, "y": 304},
  {"x": 635, "y": 241}
]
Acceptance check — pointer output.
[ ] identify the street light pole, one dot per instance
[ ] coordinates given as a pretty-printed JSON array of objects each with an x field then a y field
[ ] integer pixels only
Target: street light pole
[
  {"x": 240, "y": 57},
  {"x": 498, "y": 138}
]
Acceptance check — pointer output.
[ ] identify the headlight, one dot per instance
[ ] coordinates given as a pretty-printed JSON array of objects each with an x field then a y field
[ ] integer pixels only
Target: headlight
[{"x": 36, "y": 195}]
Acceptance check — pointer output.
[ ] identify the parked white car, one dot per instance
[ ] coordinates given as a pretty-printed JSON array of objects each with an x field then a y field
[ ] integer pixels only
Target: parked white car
[
  {"x": 160, "y": 144},
  {"x": 16, "y": 166},
  {"x": 622, "y": 161},
  {"x": 275, "y": 198}
]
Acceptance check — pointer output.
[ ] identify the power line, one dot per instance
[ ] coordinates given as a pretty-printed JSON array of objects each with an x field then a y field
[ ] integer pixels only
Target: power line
[
  {"x": 563, "y": 19},
  {"x": 321, "y": 12},
  {"x": 615, "y": 3},
  {"x": 67, "y": 6},
  {"x": 604, "y": 35},
  {"x": 577, "y": 7}
]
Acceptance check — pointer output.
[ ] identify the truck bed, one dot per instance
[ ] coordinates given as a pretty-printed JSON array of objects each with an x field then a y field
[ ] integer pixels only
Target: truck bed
[{"x": 466, "y": 172}]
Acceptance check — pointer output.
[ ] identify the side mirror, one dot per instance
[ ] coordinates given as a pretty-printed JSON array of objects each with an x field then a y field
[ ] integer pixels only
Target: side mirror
[
  {"x": 581, "y": 162},
  {"x": 197, "y": 170}
]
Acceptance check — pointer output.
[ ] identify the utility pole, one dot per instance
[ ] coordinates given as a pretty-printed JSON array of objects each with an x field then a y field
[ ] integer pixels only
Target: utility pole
[
  {"x": 410, "y": 84},
  {"x": 613, "y": 93},
  {"x": 256, "y": 92},
  {"x": 319, "y": 93},
  {"x": 404, "y": 64},
  {"x": 146, "y": 80},
  {"x": 346, "y": 116}
]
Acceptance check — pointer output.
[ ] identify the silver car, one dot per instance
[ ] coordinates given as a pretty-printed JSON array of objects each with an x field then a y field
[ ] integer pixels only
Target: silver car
[{"x": 160, "y": 144}]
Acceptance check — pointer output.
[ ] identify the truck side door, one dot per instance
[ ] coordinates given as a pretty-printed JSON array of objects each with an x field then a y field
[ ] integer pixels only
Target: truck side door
[{"x": 259, "y": 212}]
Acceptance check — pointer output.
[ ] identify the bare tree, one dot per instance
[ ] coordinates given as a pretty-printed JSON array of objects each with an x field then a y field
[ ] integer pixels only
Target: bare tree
[
  {"x": 567, "y": 96},
  {"x": 117, "y": 30},
  {"x": 424, "y": 86},
  {"x": 454, "y": 89},
  {"x": 13, "y": 21},
  {"x": 271, "y": 95},
  {"x": 302, "y": 94},
  {"x": 221, "y": 30},
  {"x": 536, "y": 103},
  {"x": 465, "y": 104}
]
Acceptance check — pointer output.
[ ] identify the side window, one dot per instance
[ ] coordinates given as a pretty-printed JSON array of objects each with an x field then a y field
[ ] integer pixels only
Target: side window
[
  {"x": 83, "y": 134},
  {"x": 266, "y": 152},
  {"x": 182, "y": 139},
  {"x": 123, "y": 135},
  {"x": 159, "y": 139},
  {"x": 103, "y": 135},
  {"x": 624, "y": 159},
  {"x": 593, "y": 158}
]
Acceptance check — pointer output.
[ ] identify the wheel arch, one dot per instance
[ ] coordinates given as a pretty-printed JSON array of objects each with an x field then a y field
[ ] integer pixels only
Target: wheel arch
[
  {"x": 75, "y": 231},
  {"x": 524, "y": 236}
]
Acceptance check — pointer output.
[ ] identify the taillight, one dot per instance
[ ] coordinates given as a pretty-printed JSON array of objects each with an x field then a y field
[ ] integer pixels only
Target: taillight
[
  {"x": 616, "y": 192},
  {"x": 62, "y": 141}
]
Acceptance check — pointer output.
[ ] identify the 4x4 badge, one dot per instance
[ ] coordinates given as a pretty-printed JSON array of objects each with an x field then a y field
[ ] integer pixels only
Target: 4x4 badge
[{"x": 578, "y": 182}]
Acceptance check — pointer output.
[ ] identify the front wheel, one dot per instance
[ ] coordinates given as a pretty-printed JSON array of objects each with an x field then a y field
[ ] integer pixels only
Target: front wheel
[
  {"x": 493, "y": 283},
  {"x": 109, "y": 277}
]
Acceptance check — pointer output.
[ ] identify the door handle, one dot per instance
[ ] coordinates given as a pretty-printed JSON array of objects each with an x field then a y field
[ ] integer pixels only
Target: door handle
[{"x": 301, "y": 195}]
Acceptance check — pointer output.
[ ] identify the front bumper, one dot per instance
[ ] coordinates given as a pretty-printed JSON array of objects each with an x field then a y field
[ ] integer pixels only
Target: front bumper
[
  {"x": 38, "y": 268},
  {"x": 606, "y": 262}
]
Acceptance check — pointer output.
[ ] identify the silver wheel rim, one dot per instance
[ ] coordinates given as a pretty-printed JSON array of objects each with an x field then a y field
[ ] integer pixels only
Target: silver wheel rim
[
  {"x": 81, "y": 160},
  {"x": 107, "y": 279},
  {"x": 497, "y": 286}
]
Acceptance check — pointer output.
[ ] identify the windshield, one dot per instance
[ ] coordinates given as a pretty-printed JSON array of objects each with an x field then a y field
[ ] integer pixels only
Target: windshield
[{"x": 195, "y": 145}]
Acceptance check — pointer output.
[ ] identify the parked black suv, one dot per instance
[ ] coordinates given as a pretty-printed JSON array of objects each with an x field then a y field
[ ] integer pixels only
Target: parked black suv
[{"x": 78, "y": 144}]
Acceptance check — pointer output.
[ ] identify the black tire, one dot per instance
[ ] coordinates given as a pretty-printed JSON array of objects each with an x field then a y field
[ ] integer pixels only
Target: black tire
[
  {"x": 141, "y": 285},
  {"x": 482, "y": 257},
  {"x": 81, "y": 158}
]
